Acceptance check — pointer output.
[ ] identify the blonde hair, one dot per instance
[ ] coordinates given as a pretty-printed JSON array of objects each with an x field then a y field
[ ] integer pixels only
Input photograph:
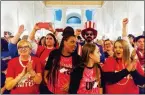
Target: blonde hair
[
  {"x": 22, "y": 42},
  {"x": 126, "y": 51}
]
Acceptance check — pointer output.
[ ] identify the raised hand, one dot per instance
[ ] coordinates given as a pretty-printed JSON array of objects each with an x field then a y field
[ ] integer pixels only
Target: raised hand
[
  {"x": 21, "y": 29},
  {"x": 50, "y": 28},
  {"x": 15, "y": 39},
  {"x": 36, "y": 27},
  {"x": 125, "y": 22},
  {"x": 124, "y": 27}
]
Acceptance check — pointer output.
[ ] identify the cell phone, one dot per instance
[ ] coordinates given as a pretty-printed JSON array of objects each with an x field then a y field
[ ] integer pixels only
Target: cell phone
[{"x": 43, "y": 25}]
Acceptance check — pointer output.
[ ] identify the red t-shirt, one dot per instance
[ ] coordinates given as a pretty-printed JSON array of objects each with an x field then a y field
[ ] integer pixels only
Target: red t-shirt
[
  {"x": 26, "y": 85},
  {"x": 89, "y": 84},
  {"x": 63, "y": 78},
  {"x": 141, "y": 57},
  {"x": 124, "y": 86},
  {"x": 43, "y": 54}
]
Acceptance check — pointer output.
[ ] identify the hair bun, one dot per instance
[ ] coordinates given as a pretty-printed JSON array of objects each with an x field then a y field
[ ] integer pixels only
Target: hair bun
[{"x": 68, "y": 31}]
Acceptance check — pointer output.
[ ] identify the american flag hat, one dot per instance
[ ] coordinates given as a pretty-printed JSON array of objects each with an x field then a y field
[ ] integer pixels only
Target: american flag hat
[{"x": 89, "y": 26}]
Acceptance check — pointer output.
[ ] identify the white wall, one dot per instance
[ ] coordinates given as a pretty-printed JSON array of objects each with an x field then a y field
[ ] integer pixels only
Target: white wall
[
  {"x": 48, "y": 17},
  {"x": 9, "y": 19},
  {"x": 68, "y": 10},
  {"x": 114, "y": 11},
  {"x": 136, "y": 16},
  {"x": 25, "y": 15},
  {"x": 15, "y": 13},
  {"x": 98, "y": 21},
  {"x": 107, "y": 18}
]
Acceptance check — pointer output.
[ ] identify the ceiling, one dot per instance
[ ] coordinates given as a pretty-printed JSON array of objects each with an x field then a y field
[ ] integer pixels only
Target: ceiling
[{"x": 78, "y": 2}]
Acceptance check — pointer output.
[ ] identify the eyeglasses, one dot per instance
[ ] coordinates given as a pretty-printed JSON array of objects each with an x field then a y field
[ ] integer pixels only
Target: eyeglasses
[
  {"x": 24, "y": 47},
  {"x": 87, "y": 34}
]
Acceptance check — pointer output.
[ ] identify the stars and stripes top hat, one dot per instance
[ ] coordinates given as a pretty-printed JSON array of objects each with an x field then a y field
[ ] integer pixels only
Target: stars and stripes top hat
[{"x": 89, "y": 26}]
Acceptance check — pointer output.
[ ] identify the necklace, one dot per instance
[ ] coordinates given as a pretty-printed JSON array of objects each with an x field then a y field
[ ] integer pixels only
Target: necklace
[{"x": 21, "y": 61}]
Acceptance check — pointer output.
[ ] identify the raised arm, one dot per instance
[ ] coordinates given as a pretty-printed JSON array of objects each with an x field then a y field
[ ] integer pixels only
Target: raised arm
[
  {"x": 50, "y": 28},
  {"x": 124, "y": 27},
  {"x": 12, "y": 46},
  {"x": 32, "y": 37},
  {"x": 15, "y": 39},
  {"x": 32, "y": 34},
  {"x": 125, "y": 33}
]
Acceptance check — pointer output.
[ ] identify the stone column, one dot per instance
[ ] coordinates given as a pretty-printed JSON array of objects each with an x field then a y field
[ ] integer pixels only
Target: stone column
[
  {"x": 63, "y": 20},
  {"x": 82, "y": 18}
]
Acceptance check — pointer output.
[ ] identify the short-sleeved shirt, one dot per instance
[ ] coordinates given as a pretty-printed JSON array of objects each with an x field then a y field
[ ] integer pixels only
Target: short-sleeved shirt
[
  {"x": 26, "y": 85},
  {"x": 63, "y": 78},
  {"x": 89, "y": 83},
  {"x": 41, "y": 52},
  {"x": 125, "y": 85}
]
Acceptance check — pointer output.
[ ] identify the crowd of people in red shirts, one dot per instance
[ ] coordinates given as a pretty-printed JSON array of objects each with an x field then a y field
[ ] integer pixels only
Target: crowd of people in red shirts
[{"x": 74, "y": 65}]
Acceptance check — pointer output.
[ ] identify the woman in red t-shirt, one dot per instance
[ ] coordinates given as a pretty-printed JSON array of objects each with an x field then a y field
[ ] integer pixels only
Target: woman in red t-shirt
[
  {"x": 121, "y": 81},
  {"x": 91, "y": 80},
  {"x": 24, "y": 72},
  {"x": 50, "y": 43},
  {"x": 62, "y": 73},
  {"x": 42, "y": 51}
]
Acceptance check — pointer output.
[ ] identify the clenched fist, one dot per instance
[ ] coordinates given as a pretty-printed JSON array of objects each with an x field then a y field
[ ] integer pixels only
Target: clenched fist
[{"x": 125, "y": 22}]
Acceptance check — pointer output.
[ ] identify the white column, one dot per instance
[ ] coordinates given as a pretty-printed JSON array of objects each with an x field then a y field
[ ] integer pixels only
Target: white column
[
  {"x": 82, "y": 18},
  {"x": 63, "y": 20}
]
